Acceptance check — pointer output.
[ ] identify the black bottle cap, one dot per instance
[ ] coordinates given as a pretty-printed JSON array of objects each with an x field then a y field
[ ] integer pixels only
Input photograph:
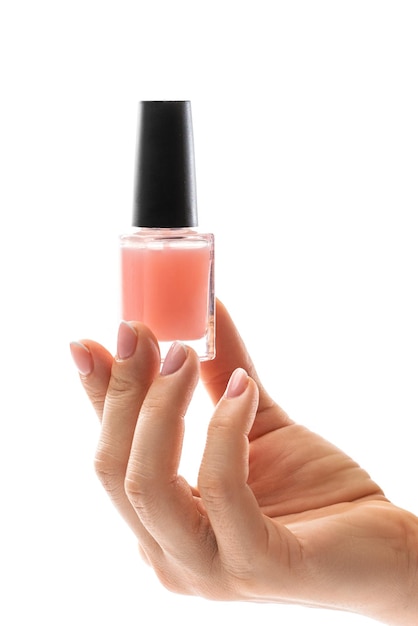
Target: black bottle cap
[{"x": 165, "y": 186}]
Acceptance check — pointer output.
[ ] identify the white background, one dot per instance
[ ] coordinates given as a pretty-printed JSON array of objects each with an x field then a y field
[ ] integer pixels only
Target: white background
[{"x": 306, "y": 138}]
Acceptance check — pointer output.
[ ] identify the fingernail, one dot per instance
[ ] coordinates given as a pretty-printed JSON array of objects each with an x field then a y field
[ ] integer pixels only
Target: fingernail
[
  {"x": 81, "y": 357},
  {"x": 174, "y": 359},
  {"x": 237, "y": 383},
  {"x": 127, "y": 340}
]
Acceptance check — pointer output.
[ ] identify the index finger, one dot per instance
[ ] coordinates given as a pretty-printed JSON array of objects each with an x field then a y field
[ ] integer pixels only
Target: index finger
[{"x": 231, "y": 354}]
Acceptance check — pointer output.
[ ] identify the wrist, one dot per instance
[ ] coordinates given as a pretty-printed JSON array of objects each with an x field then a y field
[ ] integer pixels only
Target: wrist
[
  {"x": 373, "y": 564},
  {"x": 399, "y": 601}
]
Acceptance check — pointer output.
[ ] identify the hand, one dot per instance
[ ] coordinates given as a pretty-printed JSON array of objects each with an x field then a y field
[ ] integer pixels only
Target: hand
[{"x": 279, "y": 514}]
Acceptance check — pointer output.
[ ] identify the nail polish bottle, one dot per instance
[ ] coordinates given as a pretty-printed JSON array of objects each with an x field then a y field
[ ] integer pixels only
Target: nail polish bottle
[{"x": 167, "y": 265}]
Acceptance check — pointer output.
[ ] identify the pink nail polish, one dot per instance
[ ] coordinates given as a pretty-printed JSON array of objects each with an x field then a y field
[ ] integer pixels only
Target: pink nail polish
[
  {"x": 81, "y": 357},
  {"x": 237, "y": 383},
  {"x": 167, "y": 265},
  {"x": 127, "y": 340},
  {"x": 175, "y": 358}
]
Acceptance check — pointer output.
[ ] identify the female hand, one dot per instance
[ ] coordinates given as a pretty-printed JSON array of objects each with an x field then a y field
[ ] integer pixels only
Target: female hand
[{"x": 279, "y": 514}]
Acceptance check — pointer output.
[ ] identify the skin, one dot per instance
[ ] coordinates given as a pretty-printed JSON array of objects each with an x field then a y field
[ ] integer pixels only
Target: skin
[{"x": 279, "y": 514}]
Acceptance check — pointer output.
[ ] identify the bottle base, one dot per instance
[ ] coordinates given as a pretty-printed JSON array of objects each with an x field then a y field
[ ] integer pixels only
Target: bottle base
[{"x": 204, "y": 347}]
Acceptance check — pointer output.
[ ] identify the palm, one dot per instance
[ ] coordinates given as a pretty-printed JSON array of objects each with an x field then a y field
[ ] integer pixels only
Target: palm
[
  {"x": 332, "y": 508},
  {"x": 293, "y": 471}
]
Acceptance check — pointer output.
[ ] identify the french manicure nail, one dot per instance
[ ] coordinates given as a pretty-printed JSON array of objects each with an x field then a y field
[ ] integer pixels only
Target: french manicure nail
[
  {"x": 237, "y": 383},
  {"x": 174, "y": 359},
  {"x": 81, "y": 357},
  {"x": 127, "y": 340}
]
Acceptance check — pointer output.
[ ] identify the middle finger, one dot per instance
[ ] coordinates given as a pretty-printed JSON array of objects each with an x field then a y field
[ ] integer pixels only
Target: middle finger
[{"x": 165, "y": 502}]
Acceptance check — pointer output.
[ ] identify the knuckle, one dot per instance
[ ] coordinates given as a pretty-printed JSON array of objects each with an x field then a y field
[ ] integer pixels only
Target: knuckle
[
  {"x": 133, "y": 488},
  {"x": 137, "y": 490},
  {"x": 213, "y": 491},
  {"x": 177, "y": 576},
  {"x": 222, "y": 432},
  {"x": 214, "y": 477},
  {"x": 109, "y": 471},
  {"x": 153, "y": 407},
  {"x": 119, "y": 384},
  {"x": 143, "y": 494},
  {"x": 187, "y": 581},
  {"x": 173, "y": 582},
  {"x": 144, "y": 502}
]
